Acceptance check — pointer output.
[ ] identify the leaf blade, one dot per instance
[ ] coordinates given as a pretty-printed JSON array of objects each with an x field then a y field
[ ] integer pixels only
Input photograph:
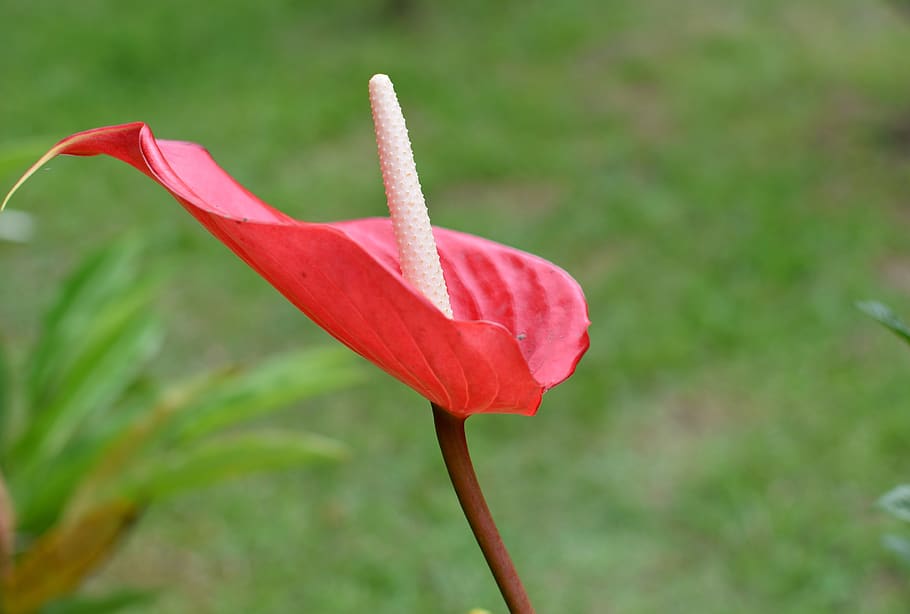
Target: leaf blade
[
  {"x": 222, "y": 458},
  {"x": 882, "y": 314},
  {"x": 72, "y": 551},
  {"x": 274, "y": 385}
]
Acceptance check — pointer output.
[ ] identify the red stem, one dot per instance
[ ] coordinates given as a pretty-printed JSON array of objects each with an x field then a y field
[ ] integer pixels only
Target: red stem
[{"x": 454, "y": 447}]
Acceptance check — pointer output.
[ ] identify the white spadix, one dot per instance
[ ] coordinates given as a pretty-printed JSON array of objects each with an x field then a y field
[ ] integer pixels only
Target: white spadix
[{"x": 407, "y": 207}]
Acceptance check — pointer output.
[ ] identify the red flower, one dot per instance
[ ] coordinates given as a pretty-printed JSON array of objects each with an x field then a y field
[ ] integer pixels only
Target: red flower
[{"x": 520, "y": 322}]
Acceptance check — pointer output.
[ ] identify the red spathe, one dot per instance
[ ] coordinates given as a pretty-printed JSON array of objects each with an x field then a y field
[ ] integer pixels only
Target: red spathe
[{"x": 520, "y": 323}]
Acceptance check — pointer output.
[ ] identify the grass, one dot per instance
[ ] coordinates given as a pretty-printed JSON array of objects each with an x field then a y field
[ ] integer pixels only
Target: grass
[{"x": 725, "y": 180}]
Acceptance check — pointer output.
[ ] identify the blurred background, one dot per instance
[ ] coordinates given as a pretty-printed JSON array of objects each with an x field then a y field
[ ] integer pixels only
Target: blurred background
[{"x": 724, "y": 179}]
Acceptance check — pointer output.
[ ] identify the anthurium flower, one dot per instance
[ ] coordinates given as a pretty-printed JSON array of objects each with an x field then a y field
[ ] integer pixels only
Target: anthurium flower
[
  {"x": 472, "y": 325},
  {"x": 518, "y": 324}
]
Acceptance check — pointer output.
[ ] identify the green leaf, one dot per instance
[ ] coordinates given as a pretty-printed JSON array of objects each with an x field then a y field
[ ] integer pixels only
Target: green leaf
[
  {"x": 215, "y": 401},
  {"x": 101, "y": 279},
  {"x": 114, "y": 602},
  {"x": 118, "y": 351},
  {"x": 126, "y": 443},
  {"x": 886, "y": 318},
  {"x": 274, "y": 385},
  {"x": 223, "y": 458},
  {"x": 897, "y": 502},
  {"x": 59, "y": 561},
  {"x": 35, "y": 472},
  {"x": 42, "y": 492},
  {"x": 44, "y": 489}
]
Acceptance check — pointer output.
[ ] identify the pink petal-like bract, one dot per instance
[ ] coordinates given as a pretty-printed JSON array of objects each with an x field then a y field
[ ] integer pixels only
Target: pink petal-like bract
[{"x": 520, "y": 323}]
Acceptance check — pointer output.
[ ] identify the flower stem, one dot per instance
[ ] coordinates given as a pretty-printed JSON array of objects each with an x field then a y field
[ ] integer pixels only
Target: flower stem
[{"x": 454, "y": 447}]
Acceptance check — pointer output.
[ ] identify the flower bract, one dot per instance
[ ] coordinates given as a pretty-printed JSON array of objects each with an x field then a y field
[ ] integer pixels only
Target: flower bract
[{"x": 519, "y": 323}]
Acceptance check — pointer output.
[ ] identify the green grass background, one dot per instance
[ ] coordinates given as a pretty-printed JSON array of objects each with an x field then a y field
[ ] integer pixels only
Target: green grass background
[{"x": 725, "y": 179}]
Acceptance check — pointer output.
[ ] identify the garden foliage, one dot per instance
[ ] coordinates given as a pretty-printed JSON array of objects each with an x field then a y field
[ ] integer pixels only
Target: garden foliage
[{"x": 89, "y": 439}]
